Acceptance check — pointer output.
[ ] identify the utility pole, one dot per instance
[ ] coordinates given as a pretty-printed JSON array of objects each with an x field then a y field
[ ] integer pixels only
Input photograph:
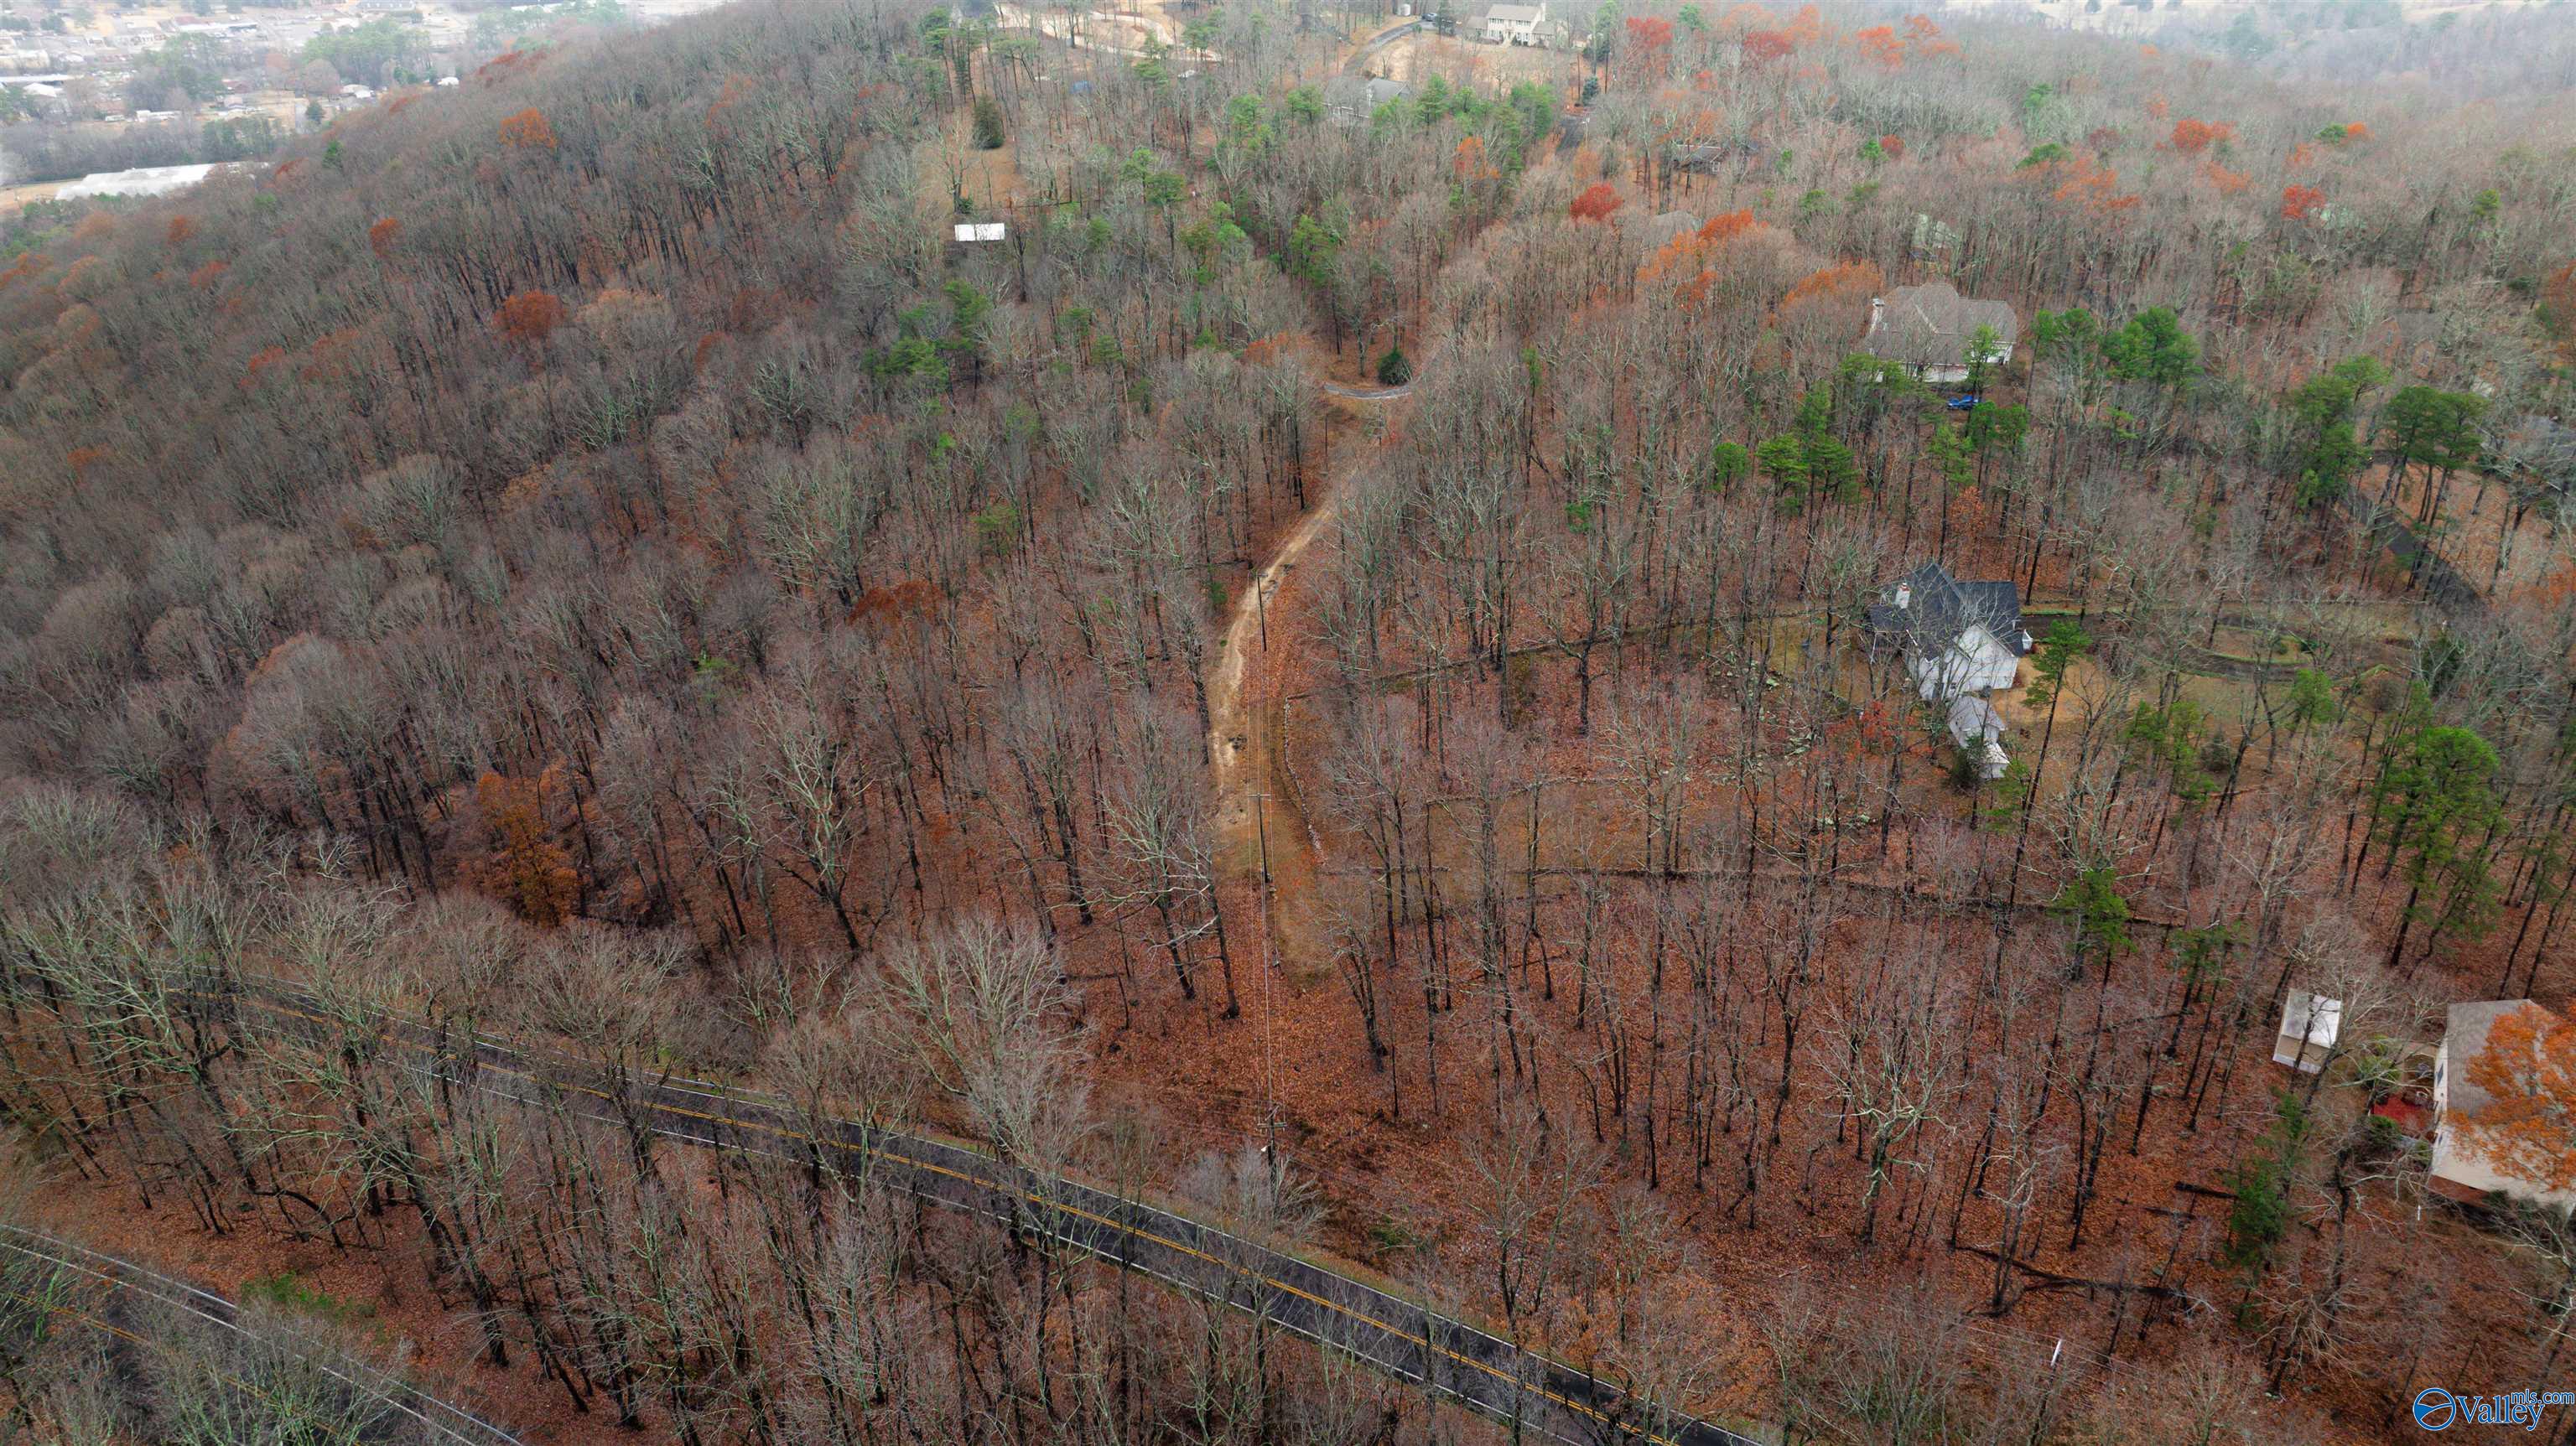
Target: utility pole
[{"x": 1269, "y": 968}]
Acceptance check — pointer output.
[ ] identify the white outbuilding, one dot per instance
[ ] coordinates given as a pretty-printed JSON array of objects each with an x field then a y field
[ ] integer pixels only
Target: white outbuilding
[{"x": 2310, "y": 1024}]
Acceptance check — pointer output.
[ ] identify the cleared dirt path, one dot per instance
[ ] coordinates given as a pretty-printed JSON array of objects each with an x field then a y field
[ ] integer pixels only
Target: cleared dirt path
[{"x": 1257, "y": 835}]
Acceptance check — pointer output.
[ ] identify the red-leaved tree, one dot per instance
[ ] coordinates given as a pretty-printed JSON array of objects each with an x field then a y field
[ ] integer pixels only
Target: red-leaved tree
[
  {"x": 1764, "y": 46},
  {"x": 2192, "y": 136},
  {"x": 1650, "y": 45},
  {"x": 1596, "y": 203}
]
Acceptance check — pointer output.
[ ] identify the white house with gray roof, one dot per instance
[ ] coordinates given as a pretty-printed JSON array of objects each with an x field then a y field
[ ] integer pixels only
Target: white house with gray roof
[{"x": 1517, "y": 25}]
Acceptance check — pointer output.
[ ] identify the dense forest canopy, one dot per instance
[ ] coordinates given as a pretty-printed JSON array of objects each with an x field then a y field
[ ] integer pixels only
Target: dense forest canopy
[{"x": 1328, "y": 674}]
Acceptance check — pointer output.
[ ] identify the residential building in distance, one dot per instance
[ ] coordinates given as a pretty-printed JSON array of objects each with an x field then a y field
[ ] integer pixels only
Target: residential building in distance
[
  {"x": 1516, "y": 25},
  {"x": 141, "y": 181}
]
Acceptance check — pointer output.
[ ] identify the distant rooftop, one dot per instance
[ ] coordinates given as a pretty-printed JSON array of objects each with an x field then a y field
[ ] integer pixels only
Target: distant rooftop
[{"x": 141, "y": 181}]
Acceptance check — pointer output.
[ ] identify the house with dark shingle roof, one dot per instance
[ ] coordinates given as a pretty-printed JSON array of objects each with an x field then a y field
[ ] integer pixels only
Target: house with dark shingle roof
[
  {"x": 1926, "y": 329},
  {"x": 1956, "y": 637}
]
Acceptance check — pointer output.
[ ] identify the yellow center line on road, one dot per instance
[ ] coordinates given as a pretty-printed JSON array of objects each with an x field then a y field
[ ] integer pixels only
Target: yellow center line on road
[
  {"x": 1030, "y": 1197},
  {"x": 384, "y": 1387},
  {"x": 149, "y": 1344}
]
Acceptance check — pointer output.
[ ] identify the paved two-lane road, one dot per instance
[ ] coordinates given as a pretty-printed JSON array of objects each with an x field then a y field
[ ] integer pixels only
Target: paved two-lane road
[
  {"x": 1554, "y": 1401},
  {"x": 137, "y": 1307}
]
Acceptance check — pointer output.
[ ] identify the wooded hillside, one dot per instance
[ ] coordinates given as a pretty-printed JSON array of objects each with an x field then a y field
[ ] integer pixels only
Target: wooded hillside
[{"x": 1326, "y": 678}]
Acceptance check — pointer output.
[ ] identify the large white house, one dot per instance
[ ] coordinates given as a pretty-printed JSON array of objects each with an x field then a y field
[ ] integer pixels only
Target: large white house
[
  {"x": 2461, "y": 1169},
  {"x": 1517, "y": 24},
  {"x": 1957, "y": 638}
]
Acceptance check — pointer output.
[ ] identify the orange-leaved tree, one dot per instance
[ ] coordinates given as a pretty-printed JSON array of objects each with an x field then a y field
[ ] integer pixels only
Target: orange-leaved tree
[
  {"x": 259, "y": 366},
  {"x": 1728, "y": 225},
  {"x": 2528, "y": 1070},
  {"x": 2086, "y": 183},
  {"x": 531, "y": 316},
  {"x": 1468, "y": 161},
  {"x": 380, "y": 237},
  {"x": 1880, "y": 45},
  {"x": 526, "y": 868},
  {"x": 2298, "y": 203},
  {"x": 528, "y": 130},
  {"x": 1692, "y": 254},
  {"x": 1816, "y": 314},
  {"x": 1842, "y": 280},
  {"x": 1925, "y": 37}
]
